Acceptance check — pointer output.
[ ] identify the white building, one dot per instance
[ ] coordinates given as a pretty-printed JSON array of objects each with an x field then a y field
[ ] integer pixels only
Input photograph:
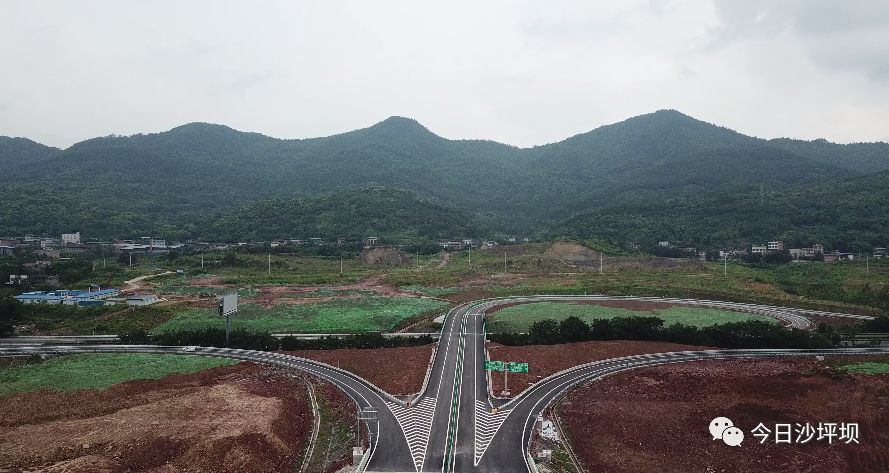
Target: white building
[
  {"x": 142, "y": 299},
  {"x": 73, "y": 238},
  {"x": 777, "y": 245},
  {"x": 758, "y": 249}
]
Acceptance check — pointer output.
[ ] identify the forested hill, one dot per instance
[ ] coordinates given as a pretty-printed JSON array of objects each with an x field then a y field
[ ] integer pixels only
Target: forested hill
[
  {"x": 169, "y": 183},
  {"x": 845, "y": 214},
  {"x": 393, "y": 214},
  {"x": 16, "y": 152}
]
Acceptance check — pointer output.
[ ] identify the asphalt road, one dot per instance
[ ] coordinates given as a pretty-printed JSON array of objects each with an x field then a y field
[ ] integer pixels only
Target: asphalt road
[
  {"x": 489, "y": 440},
  {"x": 452, "y": 426}
]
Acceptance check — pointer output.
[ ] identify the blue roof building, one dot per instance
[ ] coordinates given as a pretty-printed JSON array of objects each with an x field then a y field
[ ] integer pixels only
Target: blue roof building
[{"x": 67, "y": 296}]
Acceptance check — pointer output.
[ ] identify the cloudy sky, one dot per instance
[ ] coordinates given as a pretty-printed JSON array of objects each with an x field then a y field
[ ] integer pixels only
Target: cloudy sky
[{"x": 519, "y": 72}]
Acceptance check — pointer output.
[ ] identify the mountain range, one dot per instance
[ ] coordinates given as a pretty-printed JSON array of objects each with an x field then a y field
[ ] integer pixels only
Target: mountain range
[{"x": 659, "y": 176}]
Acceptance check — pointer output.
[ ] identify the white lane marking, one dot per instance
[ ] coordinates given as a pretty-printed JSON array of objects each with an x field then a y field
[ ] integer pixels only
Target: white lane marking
[
  {"x": 486, "y": 427},
  {"x": 416, "y": 422}
]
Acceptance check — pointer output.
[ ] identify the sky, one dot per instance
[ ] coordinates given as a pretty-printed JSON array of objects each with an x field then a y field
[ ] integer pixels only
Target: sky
[{"x": 519, "y": 72}]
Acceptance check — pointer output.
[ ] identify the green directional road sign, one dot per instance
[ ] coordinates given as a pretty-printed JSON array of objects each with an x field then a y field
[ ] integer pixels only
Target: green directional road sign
[
  {"x": 493, "y": 365},
  {"x": 518, "y": 367}
]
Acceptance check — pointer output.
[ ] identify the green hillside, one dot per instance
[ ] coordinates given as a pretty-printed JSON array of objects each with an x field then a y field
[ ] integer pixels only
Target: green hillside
[
  {"x": 15, "y": 152},
  {"x": 657, "y": 176},
  {"x": 395, "y": 214},
  {"x": 850, "y": 213}
]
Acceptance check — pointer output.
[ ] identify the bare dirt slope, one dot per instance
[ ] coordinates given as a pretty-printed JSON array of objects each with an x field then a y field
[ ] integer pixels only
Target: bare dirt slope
[
  {"x": 398, "y": 371},
  {"x": 544, "y": 360},
  {"x": 571, "y": 253},
  {"x": 244, "y": 417},
  {"x": 384, "y": 257},
  {"x": 656, "y": 419}
]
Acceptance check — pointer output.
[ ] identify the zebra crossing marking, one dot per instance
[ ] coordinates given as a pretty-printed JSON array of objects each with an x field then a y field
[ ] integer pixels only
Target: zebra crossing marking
[
  {"x": 486, "y": 427},
  {"x": 416, "y": 422}
]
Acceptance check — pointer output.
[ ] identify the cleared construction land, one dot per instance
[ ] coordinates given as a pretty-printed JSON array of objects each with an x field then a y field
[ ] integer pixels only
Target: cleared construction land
[
  {"x": 398, "y": 371},
  {"x": 544, "y": 360},
  {"x": 655, "y": 419},
  {"x": 235, "y": 417}
]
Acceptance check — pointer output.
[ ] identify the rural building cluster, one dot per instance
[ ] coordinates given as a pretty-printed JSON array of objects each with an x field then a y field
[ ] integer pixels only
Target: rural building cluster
[
  {"x": 92, "y": 297},
  {"x": 774, "y": 247}
]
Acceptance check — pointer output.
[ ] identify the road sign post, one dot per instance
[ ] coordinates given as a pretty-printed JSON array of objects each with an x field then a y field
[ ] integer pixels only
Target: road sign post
[
  {"x": 505, "y": 380},
  {"x": 506, "y": 367},
  {"x": 228, "y": 305}
]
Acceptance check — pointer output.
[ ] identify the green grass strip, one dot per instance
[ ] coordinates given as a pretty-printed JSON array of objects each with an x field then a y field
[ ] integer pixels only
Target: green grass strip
[
  {"x": 98, "y": 371},
  {"x": 520, "y": 317},
  {"x": 868, "y": 367}
]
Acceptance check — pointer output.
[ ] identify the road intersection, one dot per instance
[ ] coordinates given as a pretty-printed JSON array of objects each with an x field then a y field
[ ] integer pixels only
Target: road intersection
[{"x": 453, "y": 425}]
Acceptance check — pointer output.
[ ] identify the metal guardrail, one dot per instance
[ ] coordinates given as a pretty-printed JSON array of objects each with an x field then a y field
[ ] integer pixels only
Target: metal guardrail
[{"x": 365, "y": 459}]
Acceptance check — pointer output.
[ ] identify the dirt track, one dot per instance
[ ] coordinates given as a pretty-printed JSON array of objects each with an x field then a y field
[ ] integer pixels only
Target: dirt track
[
  {"x": 655, "y": 419},
  {"x": 237, "y": 418}
]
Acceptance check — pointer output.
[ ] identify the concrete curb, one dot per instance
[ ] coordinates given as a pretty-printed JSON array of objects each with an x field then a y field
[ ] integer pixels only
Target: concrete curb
[{"x": 316, "y": 426}]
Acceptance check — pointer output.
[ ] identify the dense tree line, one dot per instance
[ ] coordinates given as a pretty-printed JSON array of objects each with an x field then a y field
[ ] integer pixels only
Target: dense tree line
[
  {"x": 250, "y": 340},
  {"x": 748, "y": 334}
]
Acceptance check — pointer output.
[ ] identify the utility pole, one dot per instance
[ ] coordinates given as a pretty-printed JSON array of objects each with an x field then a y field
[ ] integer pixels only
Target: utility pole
[
  {"x": 202, "y": 261},
  {"x": 270, "y": 264},
  {"x": 341, "y": 266},
  {"x": 470, "y": 256},
  {"x": 418, "y": 258},
  {"x": 504, "y": 261},
  {"x": 131, "y": 258},
  {"x": 601, "y": 263},
  {"x": 725, "y": 265},
  {"x": 103, "y": 263}
]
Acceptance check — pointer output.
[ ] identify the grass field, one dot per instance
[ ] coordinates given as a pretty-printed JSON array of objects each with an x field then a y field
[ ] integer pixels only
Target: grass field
[
  {"x": 97, "y": 371},
  {"x": 520, "y": 317},
  {"x": 868, "y": 367},
  {"x": 367, "y": 314},
  {"x": 71, "y": 320}
]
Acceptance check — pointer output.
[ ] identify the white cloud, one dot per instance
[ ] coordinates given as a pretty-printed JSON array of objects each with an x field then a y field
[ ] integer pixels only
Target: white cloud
[{"x": 519, "y": 72}]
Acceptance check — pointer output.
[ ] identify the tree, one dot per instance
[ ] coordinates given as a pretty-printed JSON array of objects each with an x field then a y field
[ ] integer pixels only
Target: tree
[
  {"x": 544, "y": 332},
  {"x": 573, "y": 329},
  {"x": 10, "y": 311}
]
